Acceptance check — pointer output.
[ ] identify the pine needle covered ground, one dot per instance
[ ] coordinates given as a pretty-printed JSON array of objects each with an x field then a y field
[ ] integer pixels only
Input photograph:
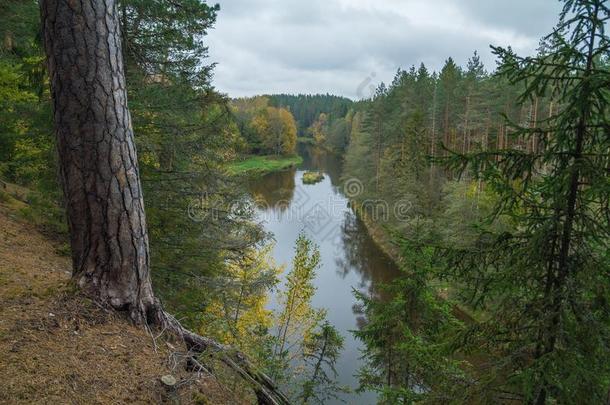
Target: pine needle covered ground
[{"x": 59, "y": 347}]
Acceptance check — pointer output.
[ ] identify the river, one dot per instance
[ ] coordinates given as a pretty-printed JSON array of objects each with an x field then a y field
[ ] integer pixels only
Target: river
[{"x": 350, "y": 259}]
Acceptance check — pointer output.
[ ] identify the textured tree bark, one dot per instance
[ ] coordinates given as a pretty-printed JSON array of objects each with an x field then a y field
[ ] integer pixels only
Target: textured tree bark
[
  {"x": 98, "y": 162},
  {"x": 100, "y": 177}
]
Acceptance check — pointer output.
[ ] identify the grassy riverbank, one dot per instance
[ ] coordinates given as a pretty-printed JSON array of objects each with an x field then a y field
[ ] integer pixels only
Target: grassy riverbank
[{"x": 257, "y": 165}]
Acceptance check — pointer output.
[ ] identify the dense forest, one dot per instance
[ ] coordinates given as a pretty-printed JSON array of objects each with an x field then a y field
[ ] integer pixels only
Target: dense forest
[
  {"x": 212, "y": 267},
  {"x": 271, "y": 124},
  {"x": 181, "y": 145},
  {"x": 505, "y": 240},
  {"x": 491, "y": 186},
  {"x": 306, "y": 108}
]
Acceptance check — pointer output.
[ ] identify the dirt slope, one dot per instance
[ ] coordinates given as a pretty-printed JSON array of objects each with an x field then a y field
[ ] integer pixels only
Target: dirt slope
[{"x": 58, "y": 347}]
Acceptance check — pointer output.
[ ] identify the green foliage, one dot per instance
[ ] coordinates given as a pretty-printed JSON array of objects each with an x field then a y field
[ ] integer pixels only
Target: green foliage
[
  {"x": 307, "y": 108},
  {"x": 19, "y": 28},
  {"x": 358, "y": 163},
  {"x": 543, "y": 282},
  {"x": 408, "y": 336},
  {"x": 518, "y": 213},
  {"x": 297, "y": 318},
  {"x": 27, "y": 145},
  {"x": 320, "y": 354},
  {"x": 262, "y": 164},
  {"x": 165, "y": 39},
  {"x": 312, "y": 177},
  {"x": 25, "y": 134}
]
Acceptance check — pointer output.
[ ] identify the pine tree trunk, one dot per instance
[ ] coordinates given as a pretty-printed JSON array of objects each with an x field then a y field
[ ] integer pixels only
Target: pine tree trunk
[
  {"x": 433, "y": 134},
  {"x": 446, "y": 128},
  {"x": 98, "y": 162},
  {"x": 378, "y": 166},
  {"x": 100, "y": 176},
  {"x": 565, "y": 239},
  {"x": 534, "y": 124},
  {"x": 317, "y": 367},
  {"x": 466, "y": 125}
]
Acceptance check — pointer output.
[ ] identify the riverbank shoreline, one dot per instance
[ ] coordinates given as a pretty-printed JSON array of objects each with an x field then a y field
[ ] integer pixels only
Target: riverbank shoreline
[
  {"x": 377, "y": 233},
  {"x": 312, "y": 143},
  {"x": 260, "y": 165},
  {"x": 380, "y": 237}
]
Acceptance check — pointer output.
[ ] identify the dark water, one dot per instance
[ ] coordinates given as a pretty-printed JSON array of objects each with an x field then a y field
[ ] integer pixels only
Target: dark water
[{"x": 350, "y": 259}]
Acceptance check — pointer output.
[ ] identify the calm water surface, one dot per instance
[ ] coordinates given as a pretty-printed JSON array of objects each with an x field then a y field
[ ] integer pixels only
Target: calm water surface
[{"x": 350, "y": 259}]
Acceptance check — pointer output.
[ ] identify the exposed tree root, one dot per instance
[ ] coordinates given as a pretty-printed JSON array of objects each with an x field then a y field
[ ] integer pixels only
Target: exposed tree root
[{"x": 266, "y": 390}]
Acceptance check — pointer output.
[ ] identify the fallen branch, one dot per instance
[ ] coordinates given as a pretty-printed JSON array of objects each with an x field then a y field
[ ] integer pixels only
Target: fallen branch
[{"x": 266, "y": 391}]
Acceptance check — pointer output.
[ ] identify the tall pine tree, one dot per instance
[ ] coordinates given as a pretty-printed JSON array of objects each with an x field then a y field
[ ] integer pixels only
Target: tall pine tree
[{"x": 544, "y": 283}]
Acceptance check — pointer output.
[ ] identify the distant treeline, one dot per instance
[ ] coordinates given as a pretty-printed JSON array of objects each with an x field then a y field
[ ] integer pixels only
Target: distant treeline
[{"x": 307, "y": 108}]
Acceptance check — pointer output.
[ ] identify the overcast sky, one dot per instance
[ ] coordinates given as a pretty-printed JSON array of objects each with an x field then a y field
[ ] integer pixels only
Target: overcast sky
[{"x": 345, "y": 47}]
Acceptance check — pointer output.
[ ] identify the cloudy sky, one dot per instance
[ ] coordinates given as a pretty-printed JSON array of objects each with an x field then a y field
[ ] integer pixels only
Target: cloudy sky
[{"x": 345, "y": 47}]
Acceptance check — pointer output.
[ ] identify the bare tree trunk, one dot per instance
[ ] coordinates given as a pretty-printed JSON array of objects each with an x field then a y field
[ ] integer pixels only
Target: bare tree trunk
[
  {"x": 379, "y": 141},
  {"x": 100, "y": 177},
  {"x": 433, "y": 134},
  {"x": 98, "y": 162},
  {"x": 534, "y": 124},
  {"x": 570, "y": 211},
  {"x": 446, "y": 128},
  {"x": 466, "y": 125},
  {"x": 317, "y": 367}
]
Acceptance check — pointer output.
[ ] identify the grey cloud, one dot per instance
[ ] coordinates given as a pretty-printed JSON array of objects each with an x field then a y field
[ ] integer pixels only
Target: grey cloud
[
  {"x": 525, "y": 16},
  {"x": 267, "y": 46}
]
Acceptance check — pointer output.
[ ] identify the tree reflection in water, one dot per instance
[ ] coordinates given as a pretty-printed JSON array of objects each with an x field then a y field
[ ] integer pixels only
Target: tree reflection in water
[{"x": 274, "y": 191}]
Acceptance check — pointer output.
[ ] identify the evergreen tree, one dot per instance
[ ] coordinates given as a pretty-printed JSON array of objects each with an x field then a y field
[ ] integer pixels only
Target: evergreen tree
[
  {"x": 544, "y": 283},
  {"x": 164, "y": 39},
  {"x": 407, "y": 358},
  {"x": 297, "y": 318},
  {"x": 320, "y": 354},
  {"x": 306, "y": 108},
  {"x": 373, "y": 124},
  {"x": 447, "y": 98}
]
